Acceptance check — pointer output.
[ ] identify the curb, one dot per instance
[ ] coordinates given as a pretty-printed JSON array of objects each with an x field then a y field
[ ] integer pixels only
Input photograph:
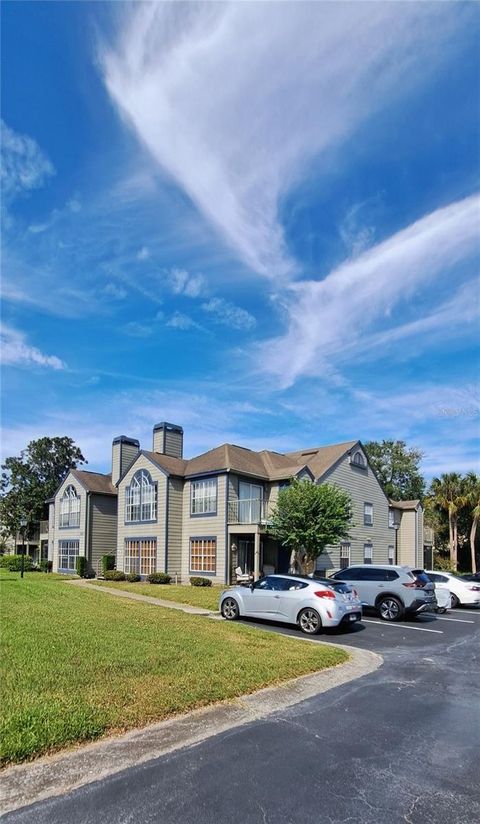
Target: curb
[{"x": 26, "y": 784}]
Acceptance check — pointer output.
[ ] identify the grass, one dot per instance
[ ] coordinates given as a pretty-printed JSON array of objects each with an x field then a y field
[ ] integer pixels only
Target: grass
[
  {"x": 75, "y": 666},
  {"x": 206, "y": 597}
]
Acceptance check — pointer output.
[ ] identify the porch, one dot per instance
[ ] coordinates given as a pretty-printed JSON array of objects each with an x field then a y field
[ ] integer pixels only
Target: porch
[{"x": 255, "y": 553}]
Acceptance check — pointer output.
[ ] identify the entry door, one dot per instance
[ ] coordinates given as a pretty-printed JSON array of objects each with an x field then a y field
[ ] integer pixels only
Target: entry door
[{"x": 250, "y": 503}]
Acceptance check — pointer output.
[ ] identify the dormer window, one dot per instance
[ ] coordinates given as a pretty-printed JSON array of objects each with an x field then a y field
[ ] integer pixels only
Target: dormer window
[
  {"x": 141, "y": 498},
  {"x": 358, "y": 459},
  {"x": 70, "y": 508}
]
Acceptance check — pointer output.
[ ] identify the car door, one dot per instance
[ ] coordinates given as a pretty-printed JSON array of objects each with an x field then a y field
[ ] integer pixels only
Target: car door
[
  {"x": 260, "y": 600},
  {"x": 289, "y": 597},
  {"x": 358, "y": 578}
]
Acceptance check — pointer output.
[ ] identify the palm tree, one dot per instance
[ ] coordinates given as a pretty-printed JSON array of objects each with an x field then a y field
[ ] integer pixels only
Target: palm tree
[
  {"x": 448, "y": 492},
  {"x": 472, "y": 483}
]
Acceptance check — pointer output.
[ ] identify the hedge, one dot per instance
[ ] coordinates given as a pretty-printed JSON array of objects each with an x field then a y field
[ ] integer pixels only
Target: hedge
[
  {"x": 159, "y": 578},
  {"x": 108, "y": 562},
  {"x": 14, "y": 562},
  {"x": 200, "y": 582},
  {"x": 114, "y": 575},
  {"x": 132, "y": 577},
  {"x": 81, "y": 566}
]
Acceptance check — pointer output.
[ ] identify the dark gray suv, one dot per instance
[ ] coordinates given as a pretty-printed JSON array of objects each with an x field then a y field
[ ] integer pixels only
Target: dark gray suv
[{"x": 392, "y": 590}]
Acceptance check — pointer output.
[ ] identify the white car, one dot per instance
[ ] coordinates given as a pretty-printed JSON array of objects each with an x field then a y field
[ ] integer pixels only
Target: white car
[
  {"x": 442, "y": 593},
  {"x": 464, "y": 593},
  {"x": 294, "y": 599}
]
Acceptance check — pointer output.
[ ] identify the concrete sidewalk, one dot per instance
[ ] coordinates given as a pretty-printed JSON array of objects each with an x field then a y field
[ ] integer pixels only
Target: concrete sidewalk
[{"x": 147, "y": 599}]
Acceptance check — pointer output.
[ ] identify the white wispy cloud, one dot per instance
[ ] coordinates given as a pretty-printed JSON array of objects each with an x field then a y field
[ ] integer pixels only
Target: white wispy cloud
[
  {"x": 226, "y": 313},
  {"x": 113, "y": 290},
  {"x": 182, "y": 321},
  {"x": 137, "y": 330},
  {"x": 24, "y": 165},
  {"x": 326, "y": 318},
  {"x": 182, "y": 282},
  {"x": 15, "y": 351},
  {"x": 234, "y": 100}
]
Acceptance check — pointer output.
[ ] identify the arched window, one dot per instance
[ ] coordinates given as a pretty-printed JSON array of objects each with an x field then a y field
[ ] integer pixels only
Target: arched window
[
  {"x": 70, "y": 508},
  {"x": 358, "y": 459},
  {"x": 141, "y": 498}
]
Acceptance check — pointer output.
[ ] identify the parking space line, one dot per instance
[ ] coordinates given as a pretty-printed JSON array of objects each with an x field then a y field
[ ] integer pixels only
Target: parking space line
[
  {"x": 401, "y": 626},
  {"x": 469, "y": 612},
  {"x": 456, "y": 620}
]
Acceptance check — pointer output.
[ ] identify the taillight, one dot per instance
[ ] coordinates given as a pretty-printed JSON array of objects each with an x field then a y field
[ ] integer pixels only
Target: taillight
[
  {"x": 325, "y": 593},
  {"x": 475, "y": 589},
  {"x": 411, "y": 584}
]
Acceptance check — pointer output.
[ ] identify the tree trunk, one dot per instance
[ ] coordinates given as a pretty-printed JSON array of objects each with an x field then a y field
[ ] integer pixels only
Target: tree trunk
[
  {"x": 451, "y": 542},
  {"x": 455, "y": 543},
  {"x": 473, "y": 535}
]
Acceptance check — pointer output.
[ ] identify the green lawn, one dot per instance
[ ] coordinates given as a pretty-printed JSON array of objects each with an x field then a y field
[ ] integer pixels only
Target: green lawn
[
  {"x": 206, "y": 597},
  {"x": 76, "y": 666}
]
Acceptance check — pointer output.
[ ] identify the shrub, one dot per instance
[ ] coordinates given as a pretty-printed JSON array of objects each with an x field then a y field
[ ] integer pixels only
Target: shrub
[
  {"x": 133, "y": 577},
  {"x": 108, "y": 562},
  {"x": 81, "y": 566},
  {"x": 14, "y": 562},
  {"x": 159, "y": 578},
  {"x": 114, "y": 575},
  {"x": 46, "y": 566},
  {"x": 200, "y": 582}
]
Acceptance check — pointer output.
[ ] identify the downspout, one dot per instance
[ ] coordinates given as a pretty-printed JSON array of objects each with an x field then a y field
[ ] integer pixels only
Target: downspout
[{"x": 87, "y": 529}]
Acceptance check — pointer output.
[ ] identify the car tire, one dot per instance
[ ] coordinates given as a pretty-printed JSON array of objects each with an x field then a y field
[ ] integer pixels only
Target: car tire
[
  {"x": 230, "y": 609},
  {"x": 441, "y": 610},
  {"x": 455, "y": 601},
  {"x": 309, "y": 621},
  {"x": 390, "y": 608}
]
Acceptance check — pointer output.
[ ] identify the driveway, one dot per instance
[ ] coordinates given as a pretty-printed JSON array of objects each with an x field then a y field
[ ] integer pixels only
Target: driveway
[{"x": 399, "y": 745}]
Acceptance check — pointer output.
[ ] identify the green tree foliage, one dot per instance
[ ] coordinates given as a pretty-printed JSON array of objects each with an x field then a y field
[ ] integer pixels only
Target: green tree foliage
[
  {"x": 472, "y": 494},
  {"x": 448, "y": 493},
  {"x": 397, "y": 469},
  {"x": 28, "y": 480},
  {"x": 309, "y": 517}
]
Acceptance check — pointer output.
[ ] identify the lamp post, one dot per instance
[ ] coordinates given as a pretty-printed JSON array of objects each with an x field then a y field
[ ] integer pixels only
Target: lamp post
[{"x": 23, "y": 526}]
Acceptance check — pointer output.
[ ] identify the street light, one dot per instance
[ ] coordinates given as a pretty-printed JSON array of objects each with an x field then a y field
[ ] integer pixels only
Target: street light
[{"x": 23, "y": 526}]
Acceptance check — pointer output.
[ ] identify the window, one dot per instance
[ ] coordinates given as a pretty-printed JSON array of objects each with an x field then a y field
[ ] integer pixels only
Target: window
[
  {"x": 140, "y": 555},
  {"x": 203, "y": 554},
  {"x": 367, "y": 553},
  {"x": 359, "y": 460},
  {"x": 68, "y": 552},
  {"x": 70, "y": 508},
  {"x": 368, "y": 514},
  {"x": 141, "y": 498},
  {"x": 391, "y": 555},
  {"x": 344, "y": 555},
  {"x": 348, "y": 575},
  {"x": 391, "y": 517},
  {"x": 203, "y": 499}
]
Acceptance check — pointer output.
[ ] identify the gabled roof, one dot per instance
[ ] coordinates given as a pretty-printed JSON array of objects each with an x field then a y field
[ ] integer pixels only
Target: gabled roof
[
  {"x": 94, "y": 481},
  {"x": 321, "y": 458},
  {"x": 172, "y": 466},
  {"x": 405, "y": 504}
]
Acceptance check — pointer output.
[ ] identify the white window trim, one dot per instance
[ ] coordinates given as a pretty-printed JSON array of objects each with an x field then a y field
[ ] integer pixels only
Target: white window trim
[
  {"x": 203, "y": 497},
  {"x": 368, "y": 553},
  {"x": 141, "y": 499},
  {"x": 367, "y": 514},
  {"x": 68, "y": 548},
  {"x": 69, "y": 515}
]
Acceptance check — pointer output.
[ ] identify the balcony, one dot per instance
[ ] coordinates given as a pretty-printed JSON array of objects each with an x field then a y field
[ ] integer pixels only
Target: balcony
[
  {"x": 248, "y": 511},
  {"x": 43, "y": 527}
]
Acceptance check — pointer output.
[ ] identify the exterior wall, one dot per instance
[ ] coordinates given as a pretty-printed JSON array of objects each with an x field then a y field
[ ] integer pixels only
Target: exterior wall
[
  {"x": 51, "y": 530},
  {"x": 363, "y": 487},
  {"x": 203, "y": 526},
  {"x": 410, "y": 538},
  {"x": 102, "y": 529},
  {"x": 122, "y": 456},
  {"x": 174, "y": 527},
  {"x": 174, "y": 444},
  {"x": 70, "y": 533},
  {"x": 143, "y": 530}
]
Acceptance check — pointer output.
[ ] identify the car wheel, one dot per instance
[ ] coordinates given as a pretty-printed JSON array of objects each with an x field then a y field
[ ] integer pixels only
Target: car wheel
[
  {"x": 455, "y": 601},
  {"x": 309, "y": 621},
  {"x": 441, "y": 610},
  {"x": 230, "y": 609},
  {"x": 390, "y": 609}
]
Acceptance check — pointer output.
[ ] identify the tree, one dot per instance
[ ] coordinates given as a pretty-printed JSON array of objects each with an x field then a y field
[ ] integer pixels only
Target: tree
[
  {"x": 449, "y": 493},
  {"x": 397, "y": 469},
  {"x": 472, "y": 494},
  {"x": 309, "y": 517},
  {"x": 27, "y": 481}
]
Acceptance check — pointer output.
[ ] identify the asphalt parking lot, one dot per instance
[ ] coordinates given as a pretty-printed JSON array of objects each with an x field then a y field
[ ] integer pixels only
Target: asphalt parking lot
[{"x": 385, "y": 637}]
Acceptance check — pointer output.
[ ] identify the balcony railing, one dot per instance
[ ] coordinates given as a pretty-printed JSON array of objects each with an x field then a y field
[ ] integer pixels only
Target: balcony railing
[
  {"x": 248, "y": 511},
  {"x": 43, "y": 527}
]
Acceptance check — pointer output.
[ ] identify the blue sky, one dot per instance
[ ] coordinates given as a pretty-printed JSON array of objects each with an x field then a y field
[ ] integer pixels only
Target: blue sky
[{"x": 256, "y": 220}]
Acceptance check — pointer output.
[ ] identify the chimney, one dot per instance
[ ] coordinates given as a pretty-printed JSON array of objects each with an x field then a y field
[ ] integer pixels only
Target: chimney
[
  {"x": 124, "y": 450},
  {"x": 168, "y": 439}
]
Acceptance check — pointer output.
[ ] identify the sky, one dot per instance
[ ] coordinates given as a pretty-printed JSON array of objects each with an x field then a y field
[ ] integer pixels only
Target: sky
[{"x": 259, "y": 221}]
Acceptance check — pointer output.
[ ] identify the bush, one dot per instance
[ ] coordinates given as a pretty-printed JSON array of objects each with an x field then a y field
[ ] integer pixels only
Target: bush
[
  {"x": 46, "y": 566},
  {"x": 108, "y": 562},
  {"x": 13, "y": 562},
  {"x": 200, "y": 582},
  {"x": 159, "y": 578},
  {"x": 81, "y": 566},
  {"x": 114, "y": 575},
  {"x": 133, "y": 577}
]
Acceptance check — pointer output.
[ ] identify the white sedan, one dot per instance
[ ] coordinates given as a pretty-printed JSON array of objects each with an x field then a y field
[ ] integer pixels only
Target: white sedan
[
  {"x": 464, "y": 593},
  {"x": 311, "y": 603}
]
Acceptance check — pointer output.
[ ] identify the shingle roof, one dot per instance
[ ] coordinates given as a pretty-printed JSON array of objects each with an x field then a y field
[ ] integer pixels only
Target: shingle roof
[
  {"x": 404, "y": 504},
  {"x": 95, "y": 481},
  {"x": 265, "y": 465}
]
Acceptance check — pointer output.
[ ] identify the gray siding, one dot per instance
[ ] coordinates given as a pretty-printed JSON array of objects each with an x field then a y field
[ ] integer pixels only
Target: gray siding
[
  {"x": 174, "y": 444},
  {"x": 122, "y": 456},
  {"x": 205, "y": 526},
  {"x": 70, "y": 534},
  {"x": 143, "y": 530},
  {"x": 174, "y": 516},
  {"x": 103, "y": 528},
  {"x": 363, "y": 487}
]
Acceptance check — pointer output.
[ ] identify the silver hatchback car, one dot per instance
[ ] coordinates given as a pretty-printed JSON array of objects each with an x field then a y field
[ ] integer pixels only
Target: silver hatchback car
[{"x": 294, "y": 599}]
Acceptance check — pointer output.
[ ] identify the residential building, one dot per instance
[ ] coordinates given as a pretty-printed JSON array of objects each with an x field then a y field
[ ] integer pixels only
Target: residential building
[{"x": 407, "y": 519}]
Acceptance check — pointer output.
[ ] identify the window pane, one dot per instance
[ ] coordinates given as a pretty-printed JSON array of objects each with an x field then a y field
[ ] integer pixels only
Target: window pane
[{"x": 203, "y": 552}]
